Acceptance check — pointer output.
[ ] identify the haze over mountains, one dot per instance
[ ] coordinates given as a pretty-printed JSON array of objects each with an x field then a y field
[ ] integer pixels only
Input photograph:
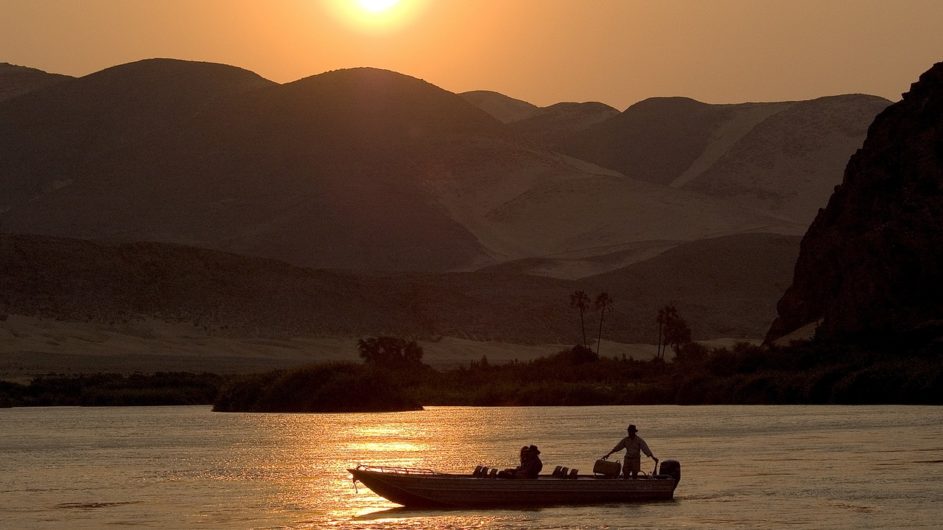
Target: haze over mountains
[{"x": 366, "y": 171}]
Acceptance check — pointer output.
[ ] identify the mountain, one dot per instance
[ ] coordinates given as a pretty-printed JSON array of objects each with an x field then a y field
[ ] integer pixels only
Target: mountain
[
  {"x": 790, "y": 162},
  {"x": 871, "y": 264},
  {"x": 53, "y": 141},
  {"x": 320, "y": 171},
  {"x": 358, "y": 169},
  {"x": 18, "y": 80},
  {"x": 543, "y": 126},
  {"x": 550, "y": 126},
  {"x": 779, "y": 158},
  {"x": 503, "y": 108}
]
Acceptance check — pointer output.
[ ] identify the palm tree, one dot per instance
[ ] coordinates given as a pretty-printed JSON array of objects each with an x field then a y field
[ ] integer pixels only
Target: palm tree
[
  {"x": 672, "y": 330},
  {"x": 603, "y": 303},
  {"x": 580, "y": 300},
  {"x": 666, "y": 317}
]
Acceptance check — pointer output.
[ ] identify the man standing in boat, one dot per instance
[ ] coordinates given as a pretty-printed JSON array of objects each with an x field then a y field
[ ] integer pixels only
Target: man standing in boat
[{"x": 634, "y": 446}]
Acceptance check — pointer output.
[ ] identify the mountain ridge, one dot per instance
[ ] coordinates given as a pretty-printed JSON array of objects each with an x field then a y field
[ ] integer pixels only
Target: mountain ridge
[{"x": 365, "y": 169}]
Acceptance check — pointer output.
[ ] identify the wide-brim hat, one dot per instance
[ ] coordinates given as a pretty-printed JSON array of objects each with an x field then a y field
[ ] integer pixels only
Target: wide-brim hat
[
  {"x": 632, "y": 428},
  {"x": 533, "y": 449}
]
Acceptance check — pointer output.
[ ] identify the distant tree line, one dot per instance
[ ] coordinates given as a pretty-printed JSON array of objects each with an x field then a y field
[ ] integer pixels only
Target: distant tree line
[
  {"x": 813, "y": 372},
  {"x": 393, "y": 377},
  {"x": 162, "y": 388}
]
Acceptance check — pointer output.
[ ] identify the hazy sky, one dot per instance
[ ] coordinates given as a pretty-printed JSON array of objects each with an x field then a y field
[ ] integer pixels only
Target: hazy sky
[{"x": 542, "y": 51}]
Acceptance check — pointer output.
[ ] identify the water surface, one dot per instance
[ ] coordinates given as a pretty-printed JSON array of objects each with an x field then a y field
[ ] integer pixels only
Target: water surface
[{"x": 742, "y": 467}]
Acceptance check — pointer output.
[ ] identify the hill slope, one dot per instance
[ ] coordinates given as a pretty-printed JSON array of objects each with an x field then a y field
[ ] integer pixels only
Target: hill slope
[
  {"x": 503, "y": 108},
  {"x": 722, "y": 286},
  {"x": 18, "y": 80},
  {"x": 780, "y": 158}
]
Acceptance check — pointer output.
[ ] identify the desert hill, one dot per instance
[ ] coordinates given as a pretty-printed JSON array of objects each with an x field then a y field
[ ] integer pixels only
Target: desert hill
[
  {"x": 552, "y": 125},
  {"x": 358, "y": 169},
  {"x": 503, "y": 108},
  {"x": 18, "y": 80},
  {"x": 789, "y": 163},
  {"x": 55, "y": 138},
  {"x": 547, "y": 126},
  {"x": 781, "y": 158},
  {"x": 871, "y": 264},
  {"x": 317, "y": 171}
]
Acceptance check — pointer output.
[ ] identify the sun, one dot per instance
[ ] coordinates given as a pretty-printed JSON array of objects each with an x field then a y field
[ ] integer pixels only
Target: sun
[
  {"x": 376, "y": 16},
  {"x": 377, "y": 6}
]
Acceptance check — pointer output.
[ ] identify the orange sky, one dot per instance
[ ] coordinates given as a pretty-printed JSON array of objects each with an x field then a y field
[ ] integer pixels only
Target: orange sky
[{"x": 542, "y": 51}]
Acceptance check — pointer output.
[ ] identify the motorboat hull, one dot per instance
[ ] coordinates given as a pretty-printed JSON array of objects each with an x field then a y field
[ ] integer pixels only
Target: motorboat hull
[{"x": 424, "y": 488}]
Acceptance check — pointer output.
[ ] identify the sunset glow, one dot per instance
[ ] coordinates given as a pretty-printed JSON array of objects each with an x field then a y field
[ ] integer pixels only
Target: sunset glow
[
  {"x": 540, "y": 51},
  {"x": 375, "y": 16},
  {"x": 377, "y": 6}
]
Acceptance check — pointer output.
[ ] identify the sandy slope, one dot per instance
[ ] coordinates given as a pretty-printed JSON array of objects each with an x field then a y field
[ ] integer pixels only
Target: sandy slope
[
  {"x": 546, "y": 205},
  {"x": 504, "y": 108},
  {"x": 727, "y": 135}
]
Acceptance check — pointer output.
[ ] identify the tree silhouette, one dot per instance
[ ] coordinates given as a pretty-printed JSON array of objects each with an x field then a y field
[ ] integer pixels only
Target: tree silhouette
[
  {"x": 580, "y": 300},
  {"x": 603, "y": 303},
  {"x": 672, "y": 330},
  {"x": 390, "y": 351},
  {"x": 664, "y": 314}
]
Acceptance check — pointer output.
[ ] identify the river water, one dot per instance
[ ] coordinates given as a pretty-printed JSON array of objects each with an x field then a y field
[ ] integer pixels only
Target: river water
[{"x": 742, "y": 467}]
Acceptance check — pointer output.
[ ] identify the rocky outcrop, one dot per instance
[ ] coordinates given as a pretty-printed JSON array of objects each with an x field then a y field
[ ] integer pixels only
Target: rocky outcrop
[{"x": 871, "y": 265}]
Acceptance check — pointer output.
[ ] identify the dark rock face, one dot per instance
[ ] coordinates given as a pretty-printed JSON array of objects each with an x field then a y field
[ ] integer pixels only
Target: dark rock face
[{"x": 871, "y": 265}]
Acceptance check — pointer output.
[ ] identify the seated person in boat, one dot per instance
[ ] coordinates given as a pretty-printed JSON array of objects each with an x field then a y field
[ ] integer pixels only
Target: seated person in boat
[
  {"x": 530, "y": 464},
  {"x": 634, "y": 445}
]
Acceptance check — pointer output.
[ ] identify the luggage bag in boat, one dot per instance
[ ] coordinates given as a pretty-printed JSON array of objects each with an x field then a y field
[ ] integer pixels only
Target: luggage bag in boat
[{"x": 607, "y": 468}]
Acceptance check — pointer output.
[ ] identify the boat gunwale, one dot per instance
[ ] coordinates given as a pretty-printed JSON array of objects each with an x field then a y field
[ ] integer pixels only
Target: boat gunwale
[{"x": 388, "y": 471}]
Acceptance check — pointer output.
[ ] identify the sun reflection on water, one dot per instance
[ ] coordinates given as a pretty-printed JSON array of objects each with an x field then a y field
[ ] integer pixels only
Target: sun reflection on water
[{"x": 306, "y": 457}]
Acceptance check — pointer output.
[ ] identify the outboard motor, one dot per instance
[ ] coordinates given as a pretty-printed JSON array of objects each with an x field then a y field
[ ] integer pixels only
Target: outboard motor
[{"x": 671, "y": 468}]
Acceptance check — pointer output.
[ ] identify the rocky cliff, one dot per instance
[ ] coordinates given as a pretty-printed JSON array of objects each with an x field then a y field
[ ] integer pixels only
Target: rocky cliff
[{"x": 871, "y": 265}]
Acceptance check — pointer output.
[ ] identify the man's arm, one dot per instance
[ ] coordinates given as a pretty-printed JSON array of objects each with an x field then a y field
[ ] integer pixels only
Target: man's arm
[
  {"x": 645, "y": 449},
  {"x": 619, "y": 446}
]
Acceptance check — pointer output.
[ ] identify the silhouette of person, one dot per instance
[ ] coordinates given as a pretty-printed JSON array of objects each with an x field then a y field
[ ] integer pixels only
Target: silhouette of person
[
  {"x": 518, "y": 471},
  {"x": 634, "y": 445},
  {"x": 531, "y": 465}
]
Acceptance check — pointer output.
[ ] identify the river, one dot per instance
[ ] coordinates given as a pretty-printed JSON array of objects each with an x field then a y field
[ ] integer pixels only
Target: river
[{"x": 742, "y": 466}]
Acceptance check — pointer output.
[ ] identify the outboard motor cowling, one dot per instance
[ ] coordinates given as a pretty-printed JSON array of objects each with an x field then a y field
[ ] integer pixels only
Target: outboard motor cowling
[{"x": 671, "y": 468}]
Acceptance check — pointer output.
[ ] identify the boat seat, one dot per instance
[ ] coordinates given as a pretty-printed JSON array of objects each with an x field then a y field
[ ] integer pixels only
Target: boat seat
[
  {"x": 477, "y": 471},
  {"x": 563, "y": 471},
  {"x": 493, "y": 473},
  {"x": 573, "y": 473},
  {"x": 557, "y": 472}
]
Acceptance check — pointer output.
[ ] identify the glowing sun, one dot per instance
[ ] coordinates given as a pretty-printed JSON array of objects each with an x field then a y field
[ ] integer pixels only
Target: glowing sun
[
  {"x": 376, "y": 15},
  {"x": 377, "y": 6}
]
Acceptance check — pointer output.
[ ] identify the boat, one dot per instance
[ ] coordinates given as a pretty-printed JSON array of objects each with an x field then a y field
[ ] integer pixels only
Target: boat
[{"x": 425, "y": 488}]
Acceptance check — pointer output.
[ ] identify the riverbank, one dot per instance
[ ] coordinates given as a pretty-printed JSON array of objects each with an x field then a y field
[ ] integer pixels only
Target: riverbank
[{"x": 807, "y": 373}]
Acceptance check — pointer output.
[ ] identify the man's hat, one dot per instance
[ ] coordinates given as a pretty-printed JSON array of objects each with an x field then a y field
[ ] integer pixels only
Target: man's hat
[
  {"x": 632, "y": 428},
  {"x": 533, "y": 449}
]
